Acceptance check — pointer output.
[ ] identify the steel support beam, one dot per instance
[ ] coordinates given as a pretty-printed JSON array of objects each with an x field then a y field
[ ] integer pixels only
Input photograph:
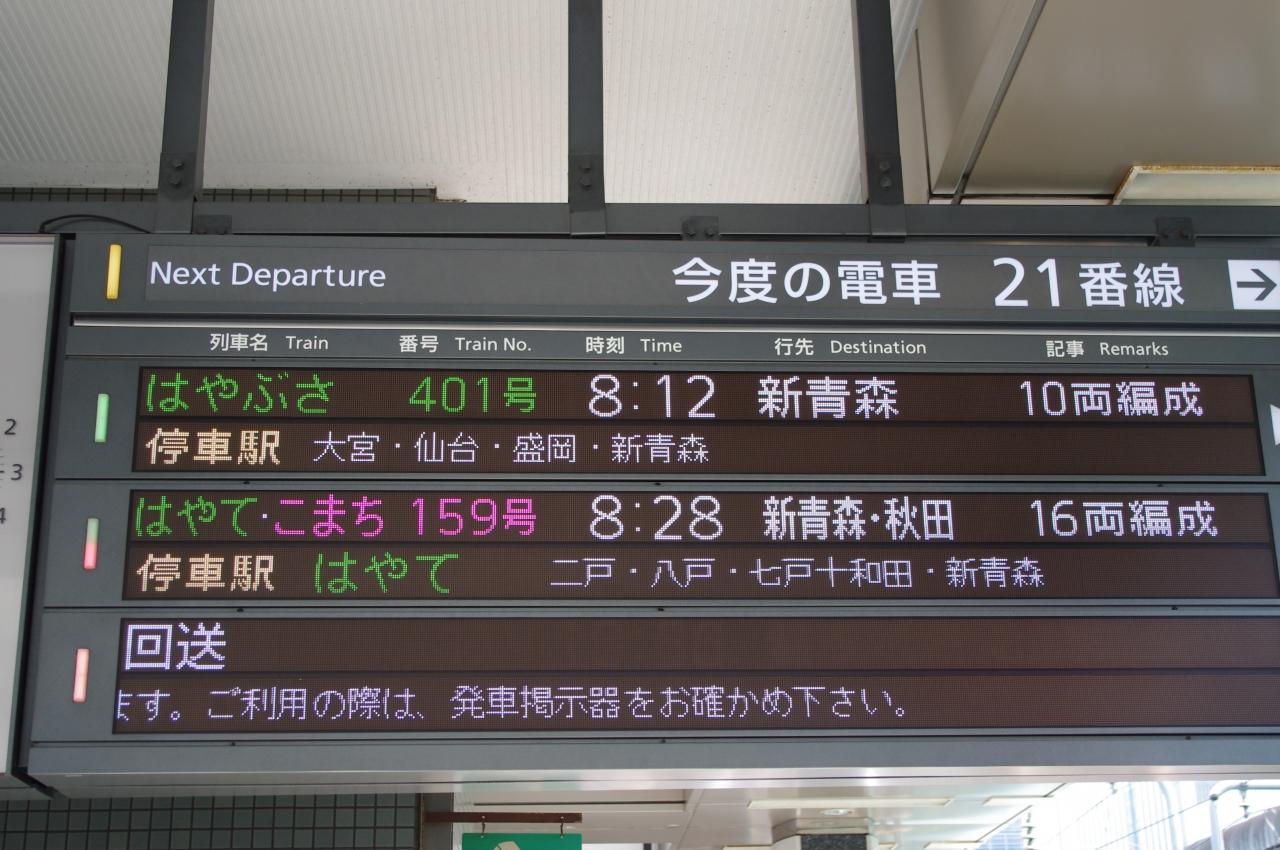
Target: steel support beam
[
  {"x": 1086, "y": 222},
  {"x": 389, "y": 219},
  {"x": 586, "y": 118},
  {"x": 743, "y": 221},
  {"x": 76, "y": 216},
  {"x": 830, "y": 222},
  {"x": 186, "y": 101},
  {"x": 878, "y": 116}
]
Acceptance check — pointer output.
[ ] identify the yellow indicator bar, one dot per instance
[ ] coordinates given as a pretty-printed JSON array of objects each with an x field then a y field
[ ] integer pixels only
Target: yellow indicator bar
[{"x": 113, "y": 272}]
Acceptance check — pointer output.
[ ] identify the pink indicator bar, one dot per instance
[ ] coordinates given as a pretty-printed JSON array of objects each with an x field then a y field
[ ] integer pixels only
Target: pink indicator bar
[
  {"x": 91, "y": 544},
  {"x": 80, "y": 690}
]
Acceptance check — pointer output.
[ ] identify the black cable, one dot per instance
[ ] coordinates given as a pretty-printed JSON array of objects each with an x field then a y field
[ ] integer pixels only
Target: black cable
[{"x": 65, "y": 219}]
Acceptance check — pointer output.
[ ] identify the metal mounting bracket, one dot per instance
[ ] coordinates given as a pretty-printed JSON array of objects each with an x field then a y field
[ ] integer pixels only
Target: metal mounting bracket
[
  {"x": 700, "y": 228},
  {"x": 1175, "y": 232},
  {"x": 502, "y": 817},
  {"x": 887, "y": 222},
  {"x": 586, "y": 194},
  {"x": 218, "y": 225}
]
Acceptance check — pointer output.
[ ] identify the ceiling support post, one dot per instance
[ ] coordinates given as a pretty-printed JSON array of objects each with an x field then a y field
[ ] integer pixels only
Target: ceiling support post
[
  {"x": 186, "y": 101},
  {"x": 586, "y": 118},
  {"x": 878, "y": 117}
]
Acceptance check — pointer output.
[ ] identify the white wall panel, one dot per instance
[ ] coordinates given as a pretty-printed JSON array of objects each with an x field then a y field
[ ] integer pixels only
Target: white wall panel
[{"x": 26, "y": 281}]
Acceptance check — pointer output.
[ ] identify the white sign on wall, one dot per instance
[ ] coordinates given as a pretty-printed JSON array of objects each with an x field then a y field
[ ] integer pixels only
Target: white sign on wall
[{"x": 26, "y": 274}]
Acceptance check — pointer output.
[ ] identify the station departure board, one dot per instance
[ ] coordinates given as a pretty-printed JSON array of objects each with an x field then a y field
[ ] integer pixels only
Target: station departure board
[{"x": 482, "y": 490}]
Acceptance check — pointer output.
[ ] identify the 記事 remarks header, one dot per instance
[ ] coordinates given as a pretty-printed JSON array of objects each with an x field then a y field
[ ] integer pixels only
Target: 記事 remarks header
[{"x": 168, "y": 273}]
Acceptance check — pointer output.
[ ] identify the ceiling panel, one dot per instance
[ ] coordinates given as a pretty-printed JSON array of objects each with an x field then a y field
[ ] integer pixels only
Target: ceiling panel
[
  {"x": 748, "y": 101},
  {"x": 965, "y": 49},
  {"x": 709, "y": 818},
  {"x": 706, "y": 101},
  {"x": 468, "y": 96},
  {"x": 1106, "y": 84},
  {"x": 82, "y": 92}
]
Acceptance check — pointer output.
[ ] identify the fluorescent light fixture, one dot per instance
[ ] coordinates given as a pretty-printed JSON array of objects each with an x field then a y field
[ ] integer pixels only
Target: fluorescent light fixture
[
  {"x": 806, "y": 803},
  {"x": 953, "y": 845},
  {"x": 1014, "y": 802},
  {"x": 1200, "y": 184},
  {"x": 860, "y": 826},
  {"x": 616, "y": 806}
]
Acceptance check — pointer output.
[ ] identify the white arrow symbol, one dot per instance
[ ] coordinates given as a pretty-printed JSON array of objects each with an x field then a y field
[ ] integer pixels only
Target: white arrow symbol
[
  {"x": 1266, "y": 285},
  {"x": 1255, "y": 284}
]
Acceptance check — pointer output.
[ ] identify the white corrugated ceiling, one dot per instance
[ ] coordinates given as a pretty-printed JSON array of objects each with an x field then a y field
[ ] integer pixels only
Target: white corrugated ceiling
[
  {"x": 465, "y": 95},
  {"x": 715, "y": 100},
  {"x": 743, "y": 101},
  {"x": 82, "y": 92}
]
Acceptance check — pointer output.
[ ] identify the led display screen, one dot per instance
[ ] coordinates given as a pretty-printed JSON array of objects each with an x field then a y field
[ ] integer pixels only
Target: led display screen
[
  {"x": 211, "y": 673},
  {"x": 780, "y": 422},
  {"x": 783, "y": 543}
]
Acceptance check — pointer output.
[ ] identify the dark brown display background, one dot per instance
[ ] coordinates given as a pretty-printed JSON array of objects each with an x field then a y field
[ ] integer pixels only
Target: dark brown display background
[
  {"x": 566, "y": 394},
  {"x": 564, "y": 516},
  {"x": 524, "y": 572},
  {"x": 944, "y": 672},
  {"x": 503, "y": 565},
  {"x": 941, "y": 673},
  {"x": 697, "y": 645},
  {"x": 790, "y": 449},
  {"x": 933, "y": 701}
]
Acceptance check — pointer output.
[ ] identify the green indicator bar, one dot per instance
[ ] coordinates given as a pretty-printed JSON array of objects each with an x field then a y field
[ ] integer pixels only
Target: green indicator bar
[{"x": 100, "y": 424}]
